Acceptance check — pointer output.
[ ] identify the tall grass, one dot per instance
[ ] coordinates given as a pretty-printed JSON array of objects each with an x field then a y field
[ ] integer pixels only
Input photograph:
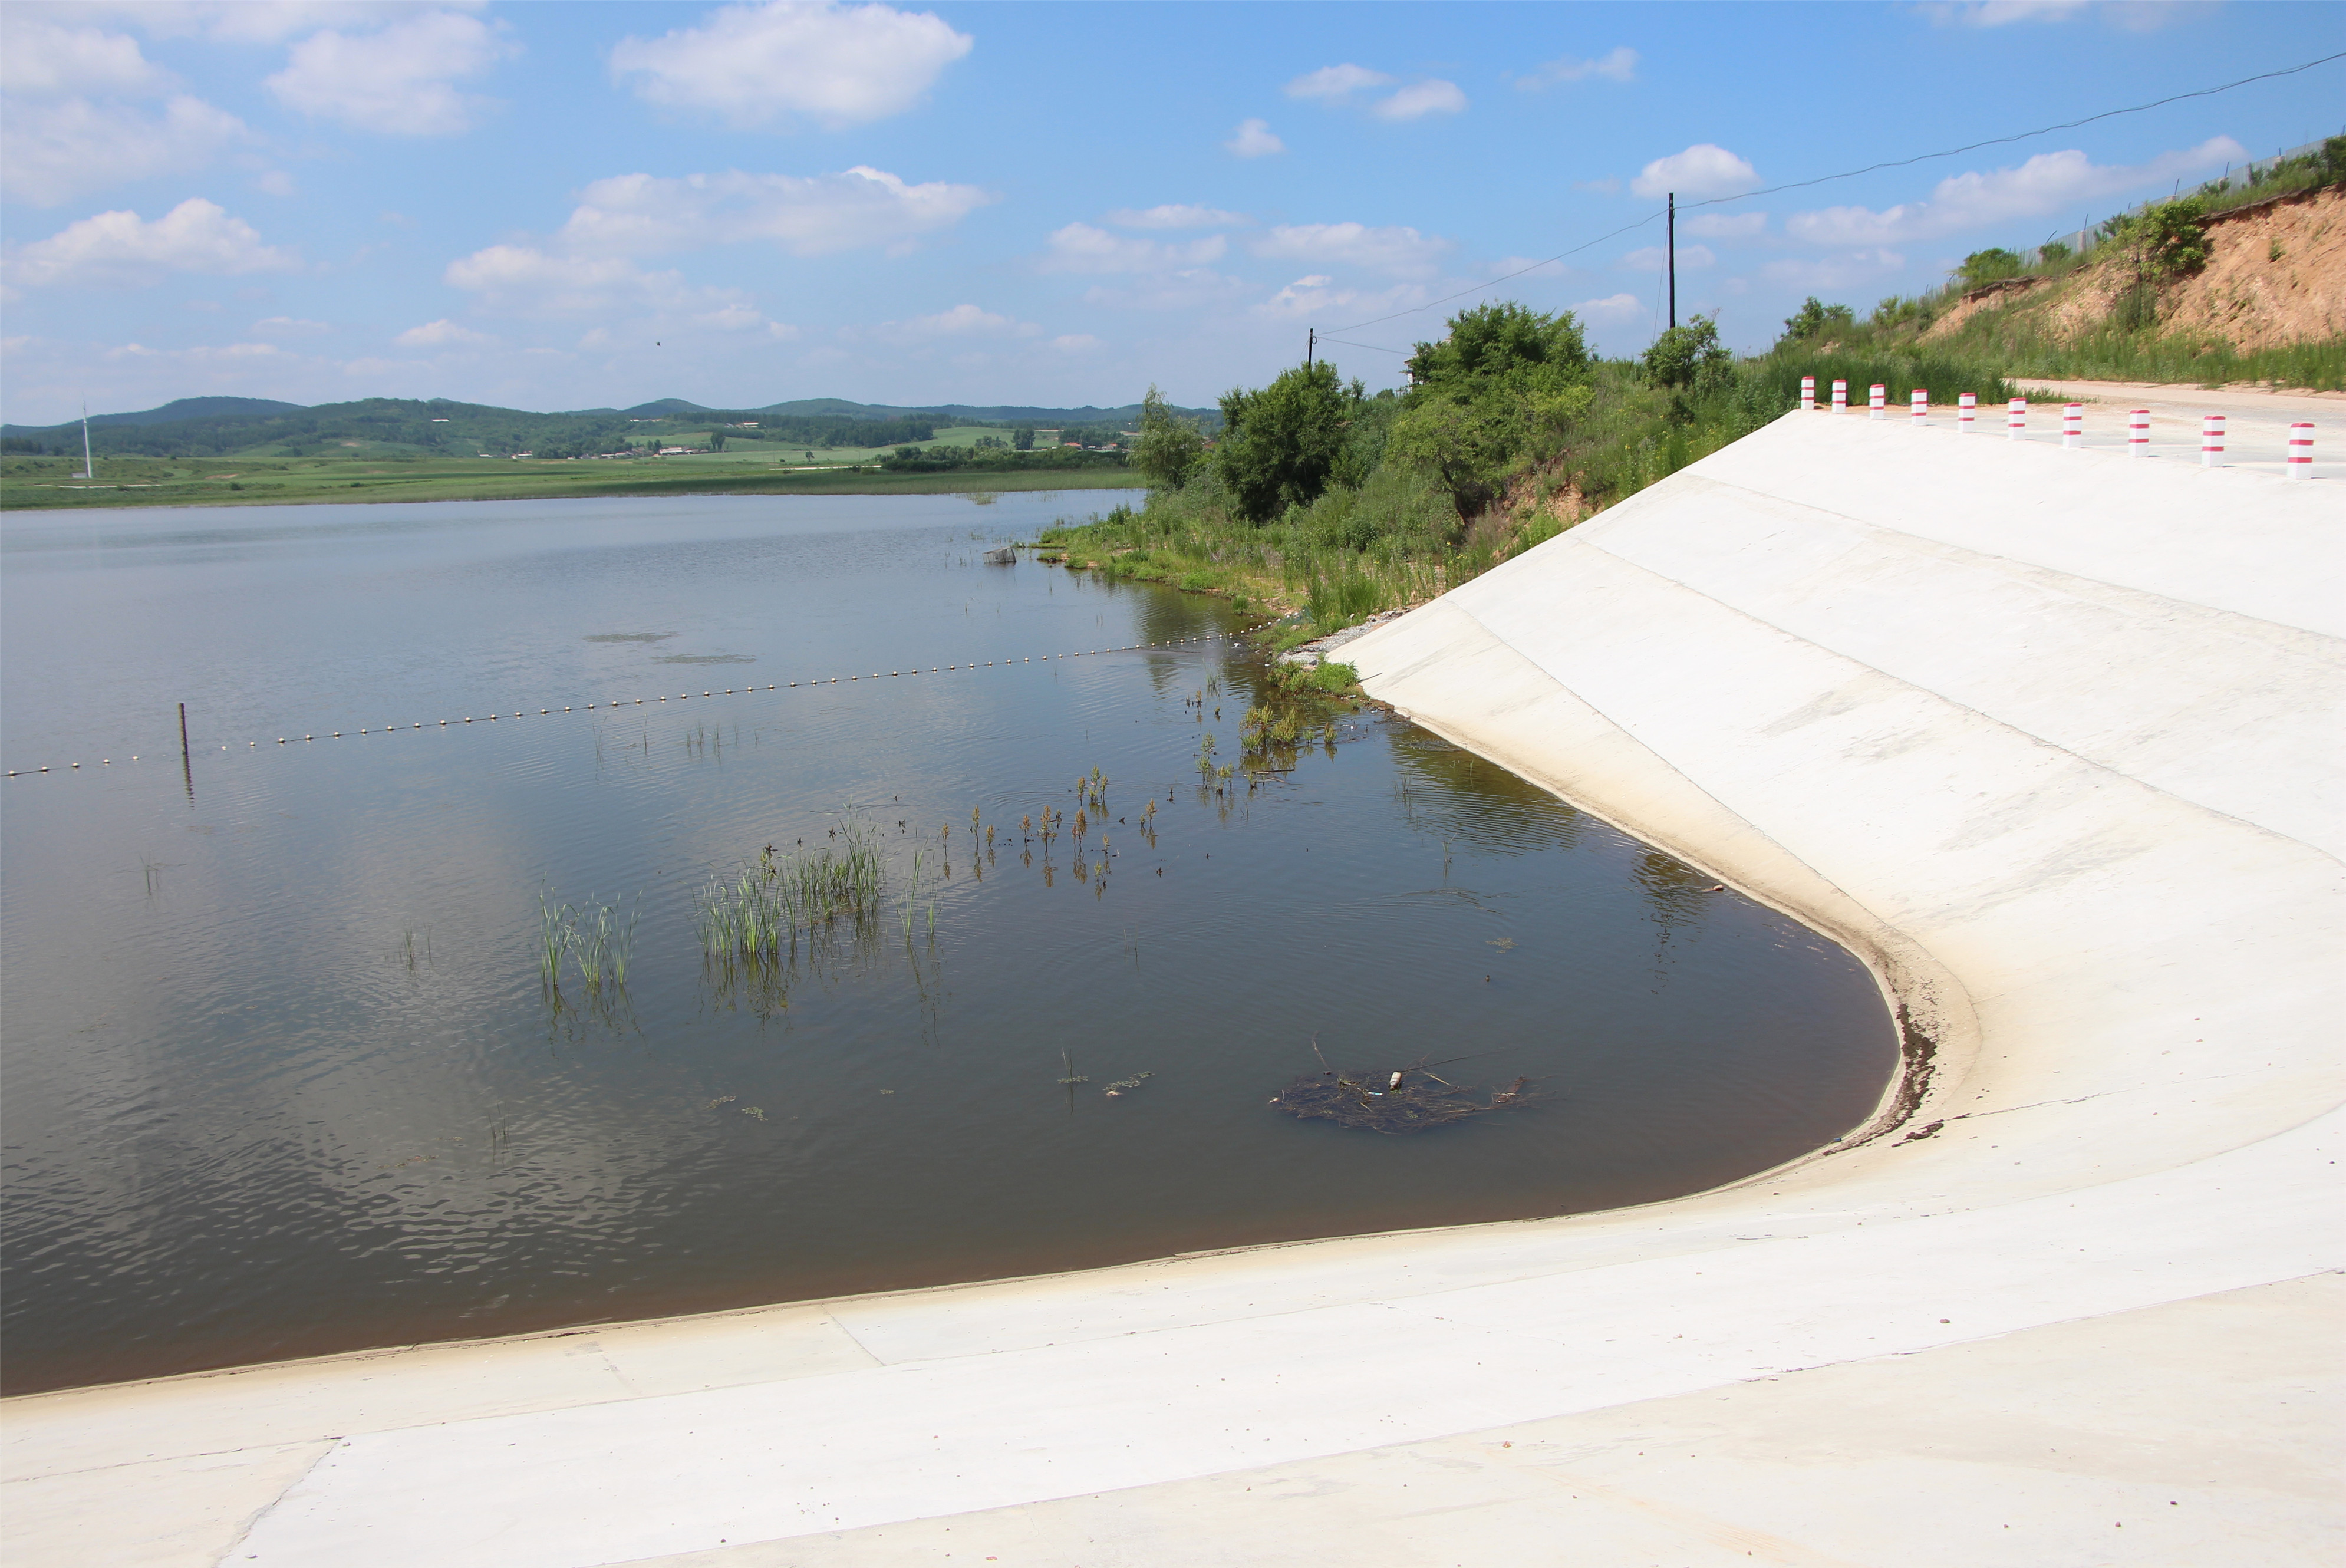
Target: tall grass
[
  {"x": 594, "y": 941},
  {"x": 765, "y": 908}
]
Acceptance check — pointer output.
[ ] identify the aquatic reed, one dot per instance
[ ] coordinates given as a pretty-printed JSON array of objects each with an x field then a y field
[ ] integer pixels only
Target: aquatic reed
[{"x": 763, "y": 909}]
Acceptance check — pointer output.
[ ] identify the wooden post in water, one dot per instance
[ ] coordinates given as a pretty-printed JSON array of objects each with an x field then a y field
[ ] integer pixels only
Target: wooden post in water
[{"x": 186, "y": 763}]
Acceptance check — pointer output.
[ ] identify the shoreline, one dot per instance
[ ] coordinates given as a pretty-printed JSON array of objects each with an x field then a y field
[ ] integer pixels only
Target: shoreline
[{"x": 864, "y": 483}]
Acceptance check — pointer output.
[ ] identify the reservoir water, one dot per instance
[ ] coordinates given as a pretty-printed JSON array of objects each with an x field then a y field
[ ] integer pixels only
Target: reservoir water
[{"x": 282, "y": 1077}]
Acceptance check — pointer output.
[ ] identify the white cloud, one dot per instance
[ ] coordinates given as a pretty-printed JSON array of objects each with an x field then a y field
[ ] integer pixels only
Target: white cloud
[
  {"x": 2004, "y": 13},
  {"x": 1652, "y": 258},
  {"x": 642, "y": 214},
  {"x": 265, "y": 21},
  {"x": 1254, "y": 139},
  {"x": 1080, "y": 248},
  {"x": 751, "y": 65},
  {"x": 51, "y": 152},
  {"x": 121, "y": 248},
  {"x": 1316, "y": 294},
  {"x": 1703, "y": 169},
  {"x": 399, "y": 81},
  {"x": 2130, "y": 15},
  {"x": 440, "y": 334},
  {"x": 2050, "y": 182},
  {"x": 1174, "y": 215},
  {"x": 45, "y": 60},
  {"x": 1335, "y": 83},
  {"x": 1613, "y": 307},
  {"x": 1724, "y": 225},
  {"x": 1402, "y": 251},
  {"x": 961, "y": 321},
  {"x": 200, "y": 352},
  {"x": 1420, "y": 99},
  {"x": 521, "y": 278},
  {"x": 1620, "y": 65},
  {"x": 1842, "y": 271},
  {"x": 1075, "y": 343},
  {"x": 288, "y": 327}
]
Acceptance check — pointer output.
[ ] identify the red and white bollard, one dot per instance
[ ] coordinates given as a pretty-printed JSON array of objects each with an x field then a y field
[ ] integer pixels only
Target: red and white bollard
[
  {"x": 1841, "y": 397},
  {"x": 2073, "y": 426},
  {"x": 2139, "y": 433},
  {"x": 2301, "y": 452},
  {"x": 1918, "y": 403},
  {"x": 2015, "y": 418},
  {"x": 2211, "y": 441},
  {"x": 1966, "y": 408},
  {"x": 1808, "y": 394},
  {"x": 1877, "y": 402}
]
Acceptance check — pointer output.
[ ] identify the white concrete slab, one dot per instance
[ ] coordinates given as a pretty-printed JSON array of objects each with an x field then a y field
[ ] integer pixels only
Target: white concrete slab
[{"x": 2049, "y": 738}]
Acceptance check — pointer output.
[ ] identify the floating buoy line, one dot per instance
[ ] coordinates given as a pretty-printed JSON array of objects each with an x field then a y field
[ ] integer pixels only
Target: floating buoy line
[{"x": 621, "y": 702}]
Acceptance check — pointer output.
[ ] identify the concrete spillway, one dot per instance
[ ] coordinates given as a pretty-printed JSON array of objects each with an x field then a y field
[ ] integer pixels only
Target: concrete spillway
[{"x": 2049, "y": 737}]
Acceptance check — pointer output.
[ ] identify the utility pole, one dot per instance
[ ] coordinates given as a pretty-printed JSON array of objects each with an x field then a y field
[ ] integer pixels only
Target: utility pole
[
  {"x": 1670, "y": 229},
  {"x": 1311, "y": 342},
  {"x": 88, "y": 468}
]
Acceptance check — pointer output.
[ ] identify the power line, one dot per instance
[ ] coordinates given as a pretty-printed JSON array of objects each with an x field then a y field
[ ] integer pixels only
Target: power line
[
  {"x": 1847, "y": 174},
  {"x": 2024, "y": 135}
]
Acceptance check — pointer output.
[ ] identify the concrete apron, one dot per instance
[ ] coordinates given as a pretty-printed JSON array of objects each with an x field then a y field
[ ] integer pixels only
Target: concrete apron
[{"x": 2046, "y": 736}]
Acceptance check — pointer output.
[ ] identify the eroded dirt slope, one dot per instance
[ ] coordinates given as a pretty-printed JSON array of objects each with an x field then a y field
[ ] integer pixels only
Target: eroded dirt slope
[{"x": 2276, "y": 274}]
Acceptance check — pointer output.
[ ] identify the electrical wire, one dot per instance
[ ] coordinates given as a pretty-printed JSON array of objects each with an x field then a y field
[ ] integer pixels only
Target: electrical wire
[{"x": 1847, "y": 174}]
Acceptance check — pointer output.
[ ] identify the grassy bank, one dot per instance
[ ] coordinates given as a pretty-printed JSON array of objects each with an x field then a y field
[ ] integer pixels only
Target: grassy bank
[
  {"x": 1397, "y": 537},
  {"x": 28, "y": 484}
]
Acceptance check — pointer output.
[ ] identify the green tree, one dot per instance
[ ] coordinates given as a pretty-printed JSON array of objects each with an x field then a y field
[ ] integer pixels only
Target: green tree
[
  {"x": 716, "y": 441},
  {"x": 1987, "y": 265},
  {"x": 1687, "y": 356},
  {"x": 1502, "y": 381},
  {"x": 1023, "y": 438},
  {"x": 1815, "y": 320},
  {"x": 2169, "y": 238},
  {"x": 1279, "y": 442},
  {"x": 1170, "y": 447}
]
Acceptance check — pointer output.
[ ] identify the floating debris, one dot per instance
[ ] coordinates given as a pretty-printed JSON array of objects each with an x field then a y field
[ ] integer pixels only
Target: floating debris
[
  {"x": 753, "y": 1110},
  {"x": 1390, "y": 1102}
]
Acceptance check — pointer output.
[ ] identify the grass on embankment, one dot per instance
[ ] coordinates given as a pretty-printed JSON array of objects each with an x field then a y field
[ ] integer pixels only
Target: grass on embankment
[
  {"x": 1397, "y": 539},
  {"x": 47, "y": 483}
]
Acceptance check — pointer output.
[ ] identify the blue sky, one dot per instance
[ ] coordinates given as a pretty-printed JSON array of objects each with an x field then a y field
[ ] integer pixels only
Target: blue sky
[{"x": 563, "y": 206}]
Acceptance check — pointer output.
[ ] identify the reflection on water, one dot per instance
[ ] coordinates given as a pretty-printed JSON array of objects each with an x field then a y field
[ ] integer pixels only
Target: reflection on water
[{"x": 286, "y": 1073}]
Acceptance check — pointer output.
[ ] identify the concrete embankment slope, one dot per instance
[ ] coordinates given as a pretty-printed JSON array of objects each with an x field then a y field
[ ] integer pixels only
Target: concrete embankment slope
[{"x": 2050, "y": 737}]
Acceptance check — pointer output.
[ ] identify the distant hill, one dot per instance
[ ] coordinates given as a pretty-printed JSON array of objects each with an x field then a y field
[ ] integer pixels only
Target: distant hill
[
  {"x": 213, "y": 427},
  {"x": 182, "y": 408}
]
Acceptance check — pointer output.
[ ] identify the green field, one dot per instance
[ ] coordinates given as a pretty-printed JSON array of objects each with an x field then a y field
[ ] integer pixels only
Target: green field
[{"x": 366, "y": 470}]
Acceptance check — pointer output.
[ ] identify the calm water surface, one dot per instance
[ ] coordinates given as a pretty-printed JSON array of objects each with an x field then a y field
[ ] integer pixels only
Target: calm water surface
[{"x": 281, "y": 1077}]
